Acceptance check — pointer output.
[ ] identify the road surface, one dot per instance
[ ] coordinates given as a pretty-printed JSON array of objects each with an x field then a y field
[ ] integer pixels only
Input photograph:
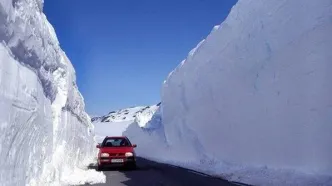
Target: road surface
[{"x": 150, "y": 173}]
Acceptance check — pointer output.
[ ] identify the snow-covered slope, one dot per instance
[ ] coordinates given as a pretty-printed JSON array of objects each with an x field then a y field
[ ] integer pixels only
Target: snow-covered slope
[
  {"x": 252, "y": 102},
  {"x": 128, "y": 114},
  {"x": 45, "y": 133},
  {"x": 114, "y": 123}
]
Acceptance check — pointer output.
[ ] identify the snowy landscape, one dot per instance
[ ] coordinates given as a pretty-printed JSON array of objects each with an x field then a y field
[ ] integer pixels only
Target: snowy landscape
[
  {"x": 116, "y": 122},
  {"x": 251, "y": 103}
]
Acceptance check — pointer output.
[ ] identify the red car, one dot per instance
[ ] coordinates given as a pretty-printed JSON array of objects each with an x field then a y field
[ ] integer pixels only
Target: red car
[{"x": 116, "y": 151}]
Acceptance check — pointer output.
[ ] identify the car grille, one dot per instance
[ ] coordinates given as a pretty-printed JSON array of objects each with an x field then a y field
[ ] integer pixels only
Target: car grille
[{"x": 117, "y": 154}]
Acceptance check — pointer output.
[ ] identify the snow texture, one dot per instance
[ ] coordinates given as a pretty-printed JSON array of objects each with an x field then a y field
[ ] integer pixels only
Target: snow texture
[
  {"x": 45, "y": 133},
  {"x": 81, "y": 176},
  {"x": 142, "y": 118},
  {"x": 252, "y": 102}
]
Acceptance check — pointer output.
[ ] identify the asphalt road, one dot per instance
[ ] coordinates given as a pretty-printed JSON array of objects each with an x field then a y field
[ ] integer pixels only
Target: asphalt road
[{"x": 149, "y": 173}]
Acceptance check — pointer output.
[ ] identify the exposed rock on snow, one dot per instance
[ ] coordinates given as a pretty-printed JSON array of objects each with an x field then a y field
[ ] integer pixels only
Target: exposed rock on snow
[
  {"x": 116, "y": 122},
  {"x": 129, "y": 114}
]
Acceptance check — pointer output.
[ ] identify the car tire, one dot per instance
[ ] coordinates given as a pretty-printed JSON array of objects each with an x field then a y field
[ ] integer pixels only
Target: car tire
[
  {"x": 131, "y": 166},
  {"x": 99, "y": 168}
]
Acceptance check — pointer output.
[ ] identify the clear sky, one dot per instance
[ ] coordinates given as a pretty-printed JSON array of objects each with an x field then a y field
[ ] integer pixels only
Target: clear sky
[{"x": 123, "y": 50}]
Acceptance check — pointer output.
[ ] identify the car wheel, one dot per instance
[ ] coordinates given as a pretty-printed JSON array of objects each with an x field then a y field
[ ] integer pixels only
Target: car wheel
[
  {"x": 99, "y": 168},
  {"x": 132, "y": 166}
]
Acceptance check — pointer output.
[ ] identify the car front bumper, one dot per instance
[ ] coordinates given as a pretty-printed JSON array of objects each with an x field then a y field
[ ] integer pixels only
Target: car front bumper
[{"x": 108, "y": 161}]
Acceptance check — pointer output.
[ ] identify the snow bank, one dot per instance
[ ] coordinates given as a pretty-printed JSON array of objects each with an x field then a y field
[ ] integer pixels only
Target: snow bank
[
  {"x": 81, "y": 177},
  {"x": 252, "y": 102},
  {"x": 44, "y": 128}
]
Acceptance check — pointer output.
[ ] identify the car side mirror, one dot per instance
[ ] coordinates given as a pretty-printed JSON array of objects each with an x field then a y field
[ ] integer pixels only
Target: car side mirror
[
  {"x": 134, "y": 145},
  {"x": 98, "y": 146}
]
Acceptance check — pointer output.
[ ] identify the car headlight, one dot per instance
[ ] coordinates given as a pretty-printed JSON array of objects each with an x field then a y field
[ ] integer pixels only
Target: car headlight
[
  {"x": 104, "y": 155},
  {"x": 129, "y": 154}
]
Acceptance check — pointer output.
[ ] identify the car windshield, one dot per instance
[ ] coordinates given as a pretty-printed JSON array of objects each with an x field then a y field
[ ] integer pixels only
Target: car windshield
[{"x": 116, "y": 142}]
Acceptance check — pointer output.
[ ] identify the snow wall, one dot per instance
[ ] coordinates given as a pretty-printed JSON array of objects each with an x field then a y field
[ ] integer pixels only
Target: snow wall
[
  {"x": 252, "y": 102},
  {"x": 45, "y": 132}
]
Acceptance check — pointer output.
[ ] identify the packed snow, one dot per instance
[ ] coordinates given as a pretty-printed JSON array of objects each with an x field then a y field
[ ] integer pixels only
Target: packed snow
[
  {"x": 81, "y": 176},
  {"x": 46, "y": 135},
  {"x": 252, "y": 102}
]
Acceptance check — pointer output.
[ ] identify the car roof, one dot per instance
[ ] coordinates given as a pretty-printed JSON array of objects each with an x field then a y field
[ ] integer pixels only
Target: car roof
[{"x": 110, "y": 137}]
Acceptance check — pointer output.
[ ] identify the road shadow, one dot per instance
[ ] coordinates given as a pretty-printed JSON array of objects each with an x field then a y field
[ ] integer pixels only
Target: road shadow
[
  {"x": 106, "y": 169},
  {"x": 151, "y": 173}
]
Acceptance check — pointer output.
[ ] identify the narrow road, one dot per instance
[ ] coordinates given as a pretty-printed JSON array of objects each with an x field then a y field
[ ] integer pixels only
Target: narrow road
[{"x": 151, "y": 173}]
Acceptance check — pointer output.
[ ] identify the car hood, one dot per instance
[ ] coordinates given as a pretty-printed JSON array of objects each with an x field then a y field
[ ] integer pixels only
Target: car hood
[{"x": 116, "y": 149}]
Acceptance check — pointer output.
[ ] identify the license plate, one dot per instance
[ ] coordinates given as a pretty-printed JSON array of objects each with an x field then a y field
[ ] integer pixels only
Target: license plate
[{"x": 117, "y": 160}]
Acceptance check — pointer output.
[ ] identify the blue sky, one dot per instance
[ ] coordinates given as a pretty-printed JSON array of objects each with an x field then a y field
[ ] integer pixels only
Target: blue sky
[{"x": 123, "y": 50}]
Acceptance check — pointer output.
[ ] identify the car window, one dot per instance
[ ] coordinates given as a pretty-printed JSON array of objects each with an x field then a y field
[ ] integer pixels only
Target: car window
[{"x": 116, "y": 142}]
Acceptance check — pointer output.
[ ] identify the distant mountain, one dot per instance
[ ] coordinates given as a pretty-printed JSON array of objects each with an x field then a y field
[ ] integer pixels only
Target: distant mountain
[{"x": 128, "y": 114}]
